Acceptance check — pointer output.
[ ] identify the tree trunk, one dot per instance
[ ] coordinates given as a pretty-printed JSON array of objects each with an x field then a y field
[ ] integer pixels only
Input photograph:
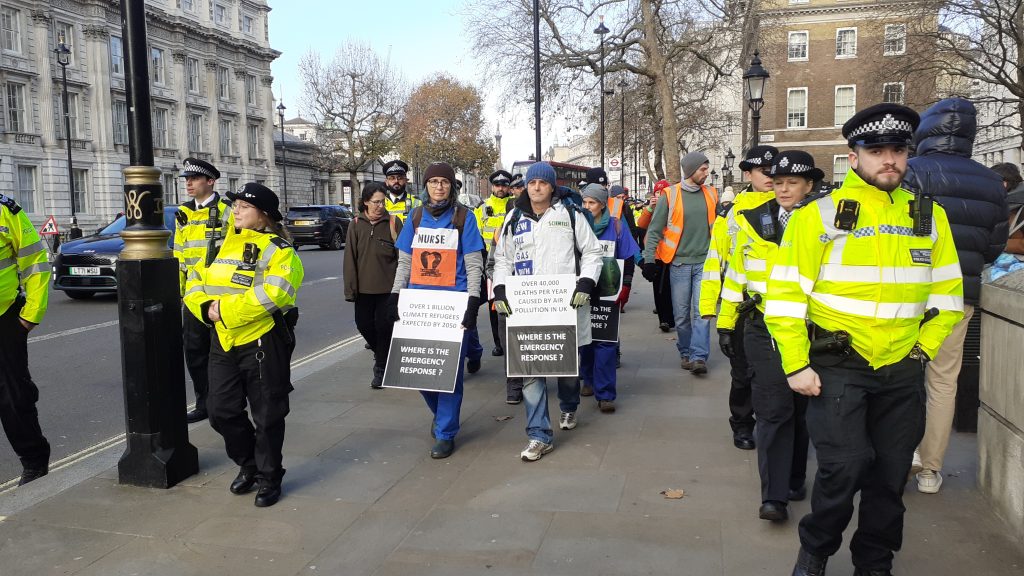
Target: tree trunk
[
  {"x": 663, "y": 90},
  {"x": 356, "y": 190}
]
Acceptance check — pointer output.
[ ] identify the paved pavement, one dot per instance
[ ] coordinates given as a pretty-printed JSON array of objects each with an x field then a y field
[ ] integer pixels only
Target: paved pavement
[{"x": 362, "y": 495}]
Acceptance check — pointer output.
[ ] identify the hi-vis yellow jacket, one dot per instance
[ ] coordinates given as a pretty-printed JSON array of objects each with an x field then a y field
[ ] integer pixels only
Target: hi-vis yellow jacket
[
  {"x": 254, "y": 275},
  {"x": 489, "y": 224},
  {"x": 750, "y": 265},
  {"x": 23, "y": 262},
  {"x": 195, "y": 229},
  {"x": 723, "y": 234},
  {"x": 874, "y": 282},
  {"x": 403, "y": 207}
]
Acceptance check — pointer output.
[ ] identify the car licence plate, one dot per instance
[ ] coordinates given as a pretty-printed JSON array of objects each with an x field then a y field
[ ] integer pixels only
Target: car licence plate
[
  {"x": 85, "y": 271},
  {"x": 303, "y": 222}
]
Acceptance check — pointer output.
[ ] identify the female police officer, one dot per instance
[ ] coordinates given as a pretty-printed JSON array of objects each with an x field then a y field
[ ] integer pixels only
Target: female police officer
[{"x": 248, "y": 296}]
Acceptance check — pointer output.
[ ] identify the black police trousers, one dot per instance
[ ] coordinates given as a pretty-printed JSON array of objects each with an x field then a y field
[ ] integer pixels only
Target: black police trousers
[
  {"x": 371, "y": 316},
  {"x": 865, "y": 425},
  {"x": 258, "y": 373},
  {"x": 663, "y": 296},
  {"x": 781, "y": 431},
  {"x": 741, "y": 408},
  {"x": 18, "y": 394},
  {"x": 196, "y": 340}
]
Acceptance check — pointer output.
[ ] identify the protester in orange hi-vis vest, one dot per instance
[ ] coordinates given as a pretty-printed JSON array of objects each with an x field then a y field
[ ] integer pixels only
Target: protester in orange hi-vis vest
[
  {"x": 679, "y": 235},
  {"x": 662, "y": 294}
]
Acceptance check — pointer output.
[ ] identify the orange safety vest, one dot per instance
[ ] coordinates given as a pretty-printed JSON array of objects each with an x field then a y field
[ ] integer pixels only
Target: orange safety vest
[
  {"x": 673, "y": 230},
  {"x": 615, "y": 207}
]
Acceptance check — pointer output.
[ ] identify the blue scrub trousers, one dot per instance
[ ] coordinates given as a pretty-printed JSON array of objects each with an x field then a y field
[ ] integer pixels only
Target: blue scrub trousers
[
  {"x": 446, "y": 406},
  {"x": 474, "y": 351},
  {"x": 597, "y": 368}
]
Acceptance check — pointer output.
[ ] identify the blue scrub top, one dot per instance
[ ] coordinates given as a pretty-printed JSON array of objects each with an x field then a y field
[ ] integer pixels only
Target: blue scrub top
[
  {"x": 469, "y": 242},
  {"x": 625, "y": 245}
]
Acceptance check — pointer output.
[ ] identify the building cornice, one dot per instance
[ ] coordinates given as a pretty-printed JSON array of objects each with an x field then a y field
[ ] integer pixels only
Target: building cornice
[{"x": 882, "y": 10}]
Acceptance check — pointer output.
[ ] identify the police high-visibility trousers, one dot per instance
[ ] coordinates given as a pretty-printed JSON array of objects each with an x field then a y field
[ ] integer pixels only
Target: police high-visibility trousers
[
  {"x": 864, "y": 425},
  {"x": 447, "y": 406},
  {"x": 258, "y": 373},
  {"x": 597, "y": 368},
  {"x": 196, "y": 340},
  {"x": 741, "y": 408},
  {"x": 18, "y": 394},
  {"x": 781, "y": 431}
]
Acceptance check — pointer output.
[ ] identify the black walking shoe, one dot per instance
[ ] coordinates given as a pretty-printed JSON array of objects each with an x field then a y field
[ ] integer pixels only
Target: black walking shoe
[
  {"x": 743, "y": 440},
  {"x": 34, "y": 473},
  {"x": 442, "y": 449},
  {"x": 196, "y": 415},
  {"x": 497, "y": 351},
  {"x": 514, "y": 398},
  {"x": 797, "y": 494},
  {"x": 863, "y": 572},
  {"x": 665, "y": 326},
  {"x": 773, "y": 511},
  {"x": 268, "y": 494},
  {"x": 378, "y": 378},
  {"x": 808, "y": 564},
  {"x": 473, "y": 366},
  {"x": 367, "y": 346},
  {"x": 245, "y": 480}
]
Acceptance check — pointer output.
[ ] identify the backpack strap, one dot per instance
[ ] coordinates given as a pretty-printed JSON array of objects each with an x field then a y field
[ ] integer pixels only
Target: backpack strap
[
  {"x": 416, "y": 217},
  {"x": 391, "y": 225}
]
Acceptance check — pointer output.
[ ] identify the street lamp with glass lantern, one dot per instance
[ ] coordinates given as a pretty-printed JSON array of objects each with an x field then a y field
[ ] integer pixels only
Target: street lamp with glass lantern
[
  {"x": 64, "y": 59},
  {"x": 284, "y": 165},
  {"x": 730, "y": 158},
  {"x": 601, "y": 30},
  {"x": 755, "y": 78},
  {"x": 714, "y": 178}
]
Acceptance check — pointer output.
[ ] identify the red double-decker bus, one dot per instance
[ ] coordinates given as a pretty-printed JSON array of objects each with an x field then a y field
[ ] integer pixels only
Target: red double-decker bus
[{"x": 565, "y": 174}]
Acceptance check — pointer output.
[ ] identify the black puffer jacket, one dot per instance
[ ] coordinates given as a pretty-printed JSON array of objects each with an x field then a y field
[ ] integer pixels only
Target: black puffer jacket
[{"x": 972, "y": 195}]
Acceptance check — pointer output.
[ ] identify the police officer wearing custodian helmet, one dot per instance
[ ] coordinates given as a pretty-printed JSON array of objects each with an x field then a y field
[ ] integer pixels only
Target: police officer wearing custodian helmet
[{"x": 247, "y": 295}]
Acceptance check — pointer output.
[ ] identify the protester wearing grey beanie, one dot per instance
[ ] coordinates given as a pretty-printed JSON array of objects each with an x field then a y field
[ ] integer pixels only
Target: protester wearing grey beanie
[
  {"x": 692, "y": 162},
  {"x": 597, "y": 192}
]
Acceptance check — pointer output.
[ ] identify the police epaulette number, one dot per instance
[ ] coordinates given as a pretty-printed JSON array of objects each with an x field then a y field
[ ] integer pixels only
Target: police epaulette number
[
  {"x": 10, "y": 203},
  {"x": 280, "y": 242}
]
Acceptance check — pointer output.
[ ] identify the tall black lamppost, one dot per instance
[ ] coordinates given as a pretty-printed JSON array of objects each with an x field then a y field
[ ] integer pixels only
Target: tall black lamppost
[
  {"x": 755, "y": 78},
  {"x": 536, "y": 80},
  {"x": 64, "y": 58},
  {"x": 714, "y": 178},
  {"x": 284, "y": 164},
  {"x": 174, "y": 169},
  {"x": 727, "y": 168},
  {"x": 601, "y": 30},
  {"x": 622, "y": 130}
]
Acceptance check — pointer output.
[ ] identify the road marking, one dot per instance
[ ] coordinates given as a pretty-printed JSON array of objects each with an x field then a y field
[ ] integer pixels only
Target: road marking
[
  {"x": 320, "y": 281},
  {"x": 71, "y": 331},
  {"x": 77, "y": 457}
]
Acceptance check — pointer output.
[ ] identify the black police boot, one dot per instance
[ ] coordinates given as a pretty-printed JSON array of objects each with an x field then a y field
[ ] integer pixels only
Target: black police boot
[
  {"x": 743, "y": 440},
  {"x": 497, "y": 350},
  {"x": 797, "y": 494},
  {"x": 30, "y": 473},
  {"x": 442, "y": 449},
  {"x": 198, "y": 414},
  {"x": 773, "y": 511},
  {"x": 367, "y": 346},
  {"x": 268, "y": 494},
  {"x": 473, "y": 366},
  {"x": 378, "y": 378},
  {"x": 808, "y": 564},
  {"x": 245, "y": 480},
  {"x": 863, "y": 572}
]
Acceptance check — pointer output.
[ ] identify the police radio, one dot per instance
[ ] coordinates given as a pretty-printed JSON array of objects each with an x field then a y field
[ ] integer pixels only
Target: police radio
[
  {"x": 921, "y": 212},
  {"x": 767, "y": 226}
]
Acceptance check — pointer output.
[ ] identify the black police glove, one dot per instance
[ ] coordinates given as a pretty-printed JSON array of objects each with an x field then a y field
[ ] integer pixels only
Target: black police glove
[
  {"x": 472, "y": 309},
  {"x": 650, "y": 271},
  {"x": 581, "y": 297},
  {"x": 726, "y": 342},
  {"x": 393, "y": 307},
  {"x": 501, "y": 305}
]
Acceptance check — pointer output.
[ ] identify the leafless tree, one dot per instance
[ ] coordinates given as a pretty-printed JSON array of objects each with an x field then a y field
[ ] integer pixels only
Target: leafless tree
[{"x": 356, "y": 100}]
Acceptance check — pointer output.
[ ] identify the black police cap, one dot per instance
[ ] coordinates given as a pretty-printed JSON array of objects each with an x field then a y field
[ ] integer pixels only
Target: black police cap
[
  {"x": 795, "y": 163},
  {"x": 396, "y": 168},
  {"x": 500, "y": 178},
  {"x": 517, "y": 181},
  {"x": 758, "y": 156},
  {"x": 259, "y": 196},
  {"x": 881, "y": 124},
  {"x": 197, "y": 167}
]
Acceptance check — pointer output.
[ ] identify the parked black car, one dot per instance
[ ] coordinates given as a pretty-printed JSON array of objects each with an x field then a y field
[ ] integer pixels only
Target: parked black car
[
  {"x": 323, "y": 225},
  {"x": 88, "y": 265}
]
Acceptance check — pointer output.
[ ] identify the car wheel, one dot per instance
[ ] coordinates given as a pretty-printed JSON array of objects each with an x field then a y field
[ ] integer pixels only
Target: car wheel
[
  {"x": 79, "y": 295},
  {"x": 337, "y": 240}
]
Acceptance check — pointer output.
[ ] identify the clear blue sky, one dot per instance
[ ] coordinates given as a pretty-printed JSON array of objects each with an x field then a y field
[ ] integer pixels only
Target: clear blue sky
[{"x": 423, "y": 36}]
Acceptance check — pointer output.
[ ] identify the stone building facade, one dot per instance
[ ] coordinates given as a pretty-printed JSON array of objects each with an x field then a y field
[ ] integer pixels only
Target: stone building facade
[{"x": 209, "y": 63}]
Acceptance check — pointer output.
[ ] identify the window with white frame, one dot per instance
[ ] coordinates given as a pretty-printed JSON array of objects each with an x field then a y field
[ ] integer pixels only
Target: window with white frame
[
  {"x": 10, "y": 29},
  {"x": 67, "y": 32},
  {"x": 27, "y": 188},
  {"x": 220, "y": 15},
  {"x": 253, "y": 138},
  {"x": 846, "y": 103},
  {"x": 796, "y": 108},
  {"x": 160, "y": 128},
  {"x": 223, "y": 83},
  {"x": 233, "y": 184},
  {"x": 73, "y": 115},
  {"x": 17, "y": 119},
  {"x": 250, "y": 89},
  {"x": 895, "y": 40},
  {"x": 120, "y": 114},
  {"x": 116, "y": 56},
  {"x": 892, "y": 92},
  {"x": 156, "y": 65},
  {"x": 193, "y": 75},
  {"x": 81, "y": 177},
  {"x": 195, "y": 132},
  {"x": 188, "y": 5},
  {"x": 227, "y": 127},
  {"x": 248, "y": 24},
  {"x": 846, "y": 43},
  {"x": 840, "y": 166},
  {"x": 798, "y": 45}
]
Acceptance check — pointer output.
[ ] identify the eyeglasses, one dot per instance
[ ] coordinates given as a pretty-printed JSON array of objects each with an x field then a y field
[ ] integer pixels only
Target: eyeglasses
[
  {"x": 375, "y": 202},
  {"x": 439, "y": 183}
]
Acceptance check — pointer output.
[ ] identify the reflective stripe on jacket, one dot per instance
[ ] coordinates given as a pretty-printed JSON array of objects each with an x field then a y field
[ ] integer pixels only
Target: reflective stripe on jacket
[
  {"x": 874, "y": 282},
  {"x": 249, "y": 288},
  {"x": 673, "y": 231},
  {"x": 750, "y": 266},
  {"x": 193, "y": 231},
  {"x": 488, "y": 224},
  {"x": 403, "y": 207},
  {"x": 24, "y": 264}
]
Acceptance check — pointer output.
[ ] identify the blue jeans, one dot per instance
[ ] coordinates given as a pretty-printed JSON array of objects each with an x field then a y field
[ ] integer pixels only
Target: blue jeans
[
  {"x": 693, "y": 332},
  {"x": 597, "y": 368},
  {"x": 535, "y": 397},
  {"x": 473, "y": 349},
  {"x": 446, "y": 407}
]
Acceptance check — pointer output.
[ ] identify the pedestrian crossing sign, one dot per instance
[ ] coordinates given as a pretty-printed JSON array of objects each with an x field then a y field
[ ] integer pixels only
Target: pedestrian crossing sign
[{"x": 49, "y": 228}]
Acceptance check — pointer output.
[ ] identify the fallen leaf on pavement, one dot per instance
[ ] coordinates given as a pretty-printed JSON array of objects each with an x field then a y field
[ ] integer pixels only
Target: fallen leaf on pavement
[
  {"x": 673, "y": 494},
  {"x": 502, "y": 418}
]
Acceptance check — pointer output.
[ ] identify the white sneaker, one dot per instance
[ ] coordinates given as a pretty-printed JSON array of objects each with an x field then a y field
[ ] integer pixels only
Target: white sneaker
[
  {"x": 915, "y": 465},
  {"x": 534, "y": 450},
  {"x": 567, "y": 421},
  {"x": 929, "y": 481}
]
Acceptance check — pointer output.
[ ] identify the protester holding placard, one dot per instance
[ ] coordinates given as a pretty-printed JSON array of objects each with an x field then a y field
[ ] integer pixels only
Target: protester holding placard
[
  {"x": 370, "y": 263},
  {"x": 598, "y": 359},
  {"x": 441, "y": 249},
  {"x": 544, "y": 235}
]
